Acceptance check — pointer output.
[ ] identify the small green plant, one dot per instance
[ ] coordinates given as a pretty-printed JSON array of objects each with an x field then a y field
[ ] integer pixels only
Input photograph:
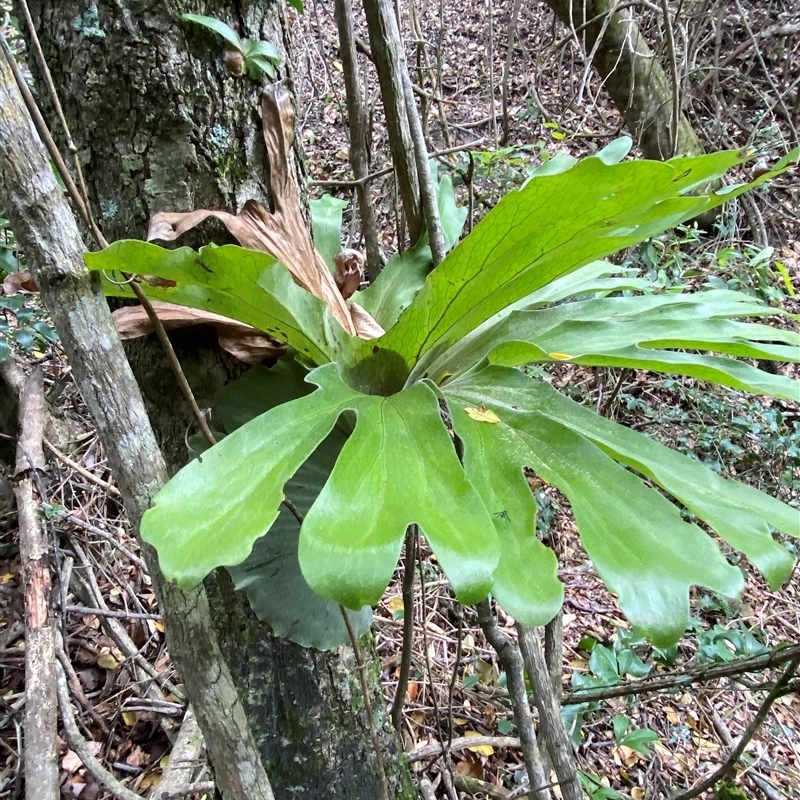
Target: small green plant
[
  {"x": 23, "y": 323},
  {"x": 593, "y": 786},
  {"x": 634, "y": 738},
  {"x": 752, "y": 270},
  {"x": 257, "y": 57},
  {"x": 721, "y": 645}
]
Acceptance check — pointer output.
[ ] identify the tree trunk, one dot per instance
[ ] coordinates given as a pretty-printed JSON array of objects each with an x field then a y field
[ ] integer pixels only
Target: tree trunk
[
  {"x": 639, "y": 87},
  {"x": 161, "y": 125}
]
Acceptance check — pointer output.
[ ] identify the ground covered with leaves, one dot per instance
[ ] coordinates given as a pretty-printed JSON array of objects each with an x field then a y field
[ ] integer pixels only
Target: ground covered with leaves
[{"x": 639, "y": 743}]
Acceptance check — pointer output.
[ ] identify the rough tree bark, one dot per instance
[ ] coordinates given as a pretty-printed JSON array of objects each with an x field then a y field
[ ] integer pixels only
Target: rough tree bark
[
  {"x": 161, "y": 125},
  {"x": 640, "y": 88}
]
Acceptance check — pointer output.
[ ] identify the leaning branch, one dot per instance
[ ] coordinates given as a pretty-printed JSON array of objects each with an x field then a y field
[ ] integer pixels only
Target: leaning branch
[{"x": 661, "y": 683}]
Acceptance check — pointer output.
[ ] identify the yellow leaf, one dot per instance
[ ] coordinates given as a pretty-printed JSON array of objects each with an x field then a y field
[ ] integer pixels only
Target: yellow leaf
[
  {"x": 7, "y": 577},
  {"x": 149, "y": 781},
  {"x": 637, "y": 793},
  {"x": 482, "y": 414},
  {"x": 129, "y": 718},
  {"x": 108, "y": 659},
  {"x": 560, "y": 356},
  {"x": 338, "y": 65},
  {"x": 481, "y": 749},
  {"x": 395, "y": 603},
  {"x": 459, "y": 721}
]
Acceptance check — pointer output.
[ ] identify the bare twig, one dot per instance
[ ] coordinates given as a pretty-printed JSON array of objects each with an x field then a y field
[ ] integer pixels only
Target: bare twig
[
  {"x": 361, "y": 667},
  {"x": 82, "y": 206},
  {"x": 768, "y": 73},
  {"x": 184, "y": 762},
  {"x": 551, "y": 727},
  {"x": 509, "y": 656},
  {"x": 81, "y": 748},
  {"x": 408, "y": 625},
  {"x": 512, "y": 31},
  {"x": 434, "y": 749},
  {"x": 359, "y": 133},
  {"x": 41, "y": 771},
  {"x": 77, "y": 689},
  {"x": 780, "y": 688},
  {"x": 82, "y": 471},
  {"x": 673, "y": 72},
  {"x": 660, "y": 683}
]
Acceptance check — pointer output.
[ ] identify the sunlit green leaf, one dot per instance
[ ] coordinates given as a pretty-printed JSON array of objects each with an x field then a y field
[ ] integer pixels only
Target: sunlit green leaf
[
  {"x": 405, "y": 273},
  {"x": 214, "y": 509},
  {"x": 242, "y": 284},
  {"x": 398, "y": 467},
  {"x": 635, "y": 537},
  {"x": 326, "y": 220},
  {"x": 525, "y": 582},
  {"x": 552, "y": 226},
  {"x": 646, "y": 332},
  {"x": 739, "y": 513}
]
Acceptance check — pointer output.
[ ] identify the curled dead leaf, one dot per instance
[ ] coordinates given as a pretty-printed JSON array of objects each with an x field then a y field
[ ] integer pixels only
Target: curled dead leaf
[
  {"x": 366, "y": 326},
  {"x": 240, "y": 340},
  {"x": 154, "y": 280},
  {"x": 233, "y": 58},
  {"x": 19, "y": 281},
  {"x": 349, "y": 271},
  {"x": 282, "y": 233}
]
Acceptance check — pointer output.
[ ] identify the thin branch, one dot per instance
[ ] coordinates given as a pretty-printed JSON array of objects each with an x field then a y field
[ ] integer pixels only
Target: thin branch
[
  {"x": 434, "y": 749},
  {"x": 51, "y": 88},
  {"x": 673, "y": 72},
  {"x": 347, "y": 184},
  {"x": 778, "y": 690},
  {"x": 510, "y": 658},
  {"x": 408, "y": 625},
  {"x": 83, "y": 210},
  {"x": 78, "y": 744},
  {"x": 512, "y": 30},
  {"x": 660, "y": 683},
  {"x": 361, "y": 667},
  {"x": 82, "y": 471}
]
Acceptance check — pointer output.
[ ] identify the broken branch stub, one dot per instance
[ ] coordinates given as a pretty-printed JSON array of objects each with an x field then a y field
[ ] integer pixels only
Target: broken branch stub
[{"x": 281, "y": 233}]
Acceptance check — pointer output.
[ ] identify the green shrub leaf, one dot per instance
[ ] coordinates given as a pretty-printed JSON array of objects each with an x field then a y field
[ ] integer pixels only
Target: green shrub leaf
[
  {"x": 552, "y": 226},
  {"x": 398, "y": 467},
  {"x": 245, "y": 285},
  {"x": 635, "y": 537}
]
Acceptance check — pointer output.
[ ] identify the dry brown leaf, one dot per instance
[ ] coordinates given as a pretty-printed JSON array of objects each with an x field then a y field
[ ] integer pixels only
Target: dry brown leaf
[
  {"x": 282, "y": 233},
  {"x": 349, "y": 271},
  {"x": 240, "y": 340},
  {"x": 366, "y": 326},
  {"x": 470, "y": 769},
  {"x": 19, "y": 281}
]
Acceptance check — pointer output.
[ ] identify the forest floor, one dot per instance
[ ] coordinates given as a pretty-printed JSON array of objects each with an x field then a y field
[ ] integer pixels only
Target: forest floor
[{"x": 457, "y": 691}]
